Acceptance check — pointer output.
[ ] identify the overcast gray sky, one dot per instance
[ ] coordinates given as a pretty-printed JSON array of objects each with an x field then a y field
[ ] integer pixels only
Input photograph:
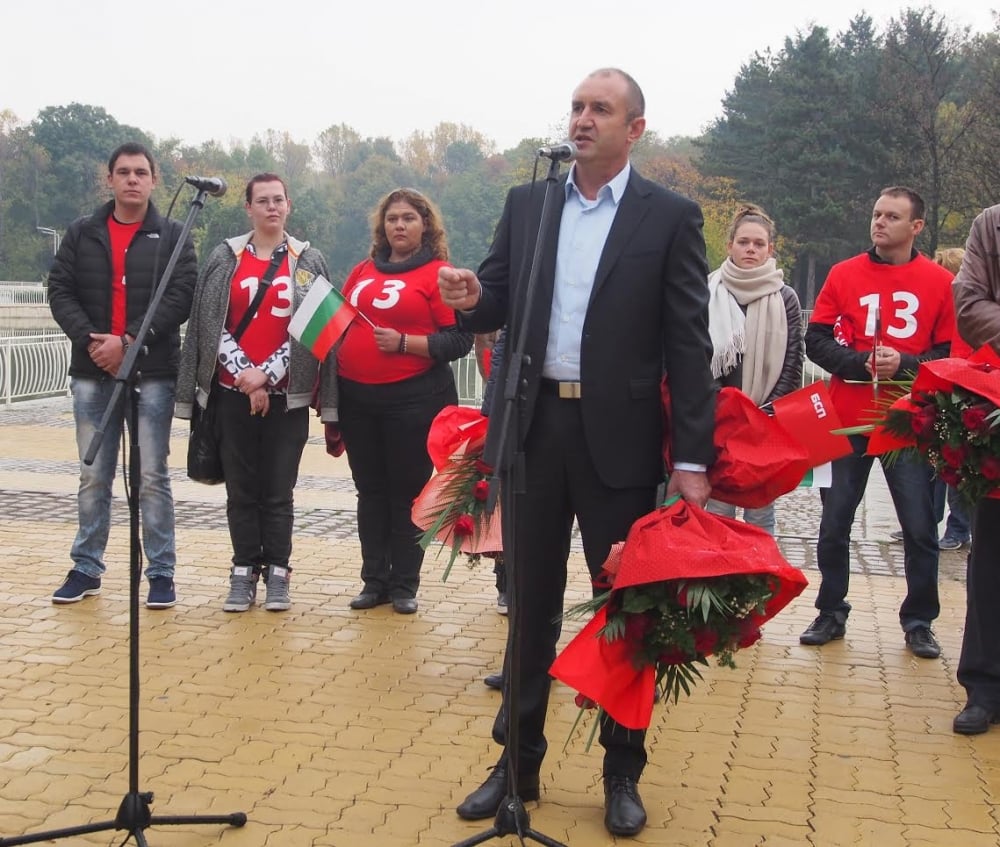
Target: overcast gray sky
[{"x": 225, "y": 70}]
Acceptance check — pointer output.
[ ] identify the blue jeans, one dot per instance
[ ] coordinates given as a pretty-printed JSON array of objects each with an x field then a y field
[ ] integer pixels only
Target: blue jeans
[
  {"x": 762, "y": 518},
  {"x": 156, "y": 503},
  {"x": 909, "y": 481},
  {"x": 959, "y": 524}
]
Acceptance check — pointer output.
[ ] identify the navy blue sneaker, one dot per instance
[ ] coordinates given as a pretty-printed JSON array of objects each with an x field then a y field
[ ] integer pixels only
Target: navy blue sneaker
[
  {"x": 76, "y": 586},
  {"x": 949, "y": 542},
  {"x": 161, "y": 593}
]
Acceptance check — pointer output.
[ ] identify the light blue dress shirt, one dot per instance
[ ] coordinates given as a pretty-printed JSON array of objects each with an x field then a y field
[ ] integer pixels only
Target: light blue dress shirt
[{"x": 583, "y": 230}]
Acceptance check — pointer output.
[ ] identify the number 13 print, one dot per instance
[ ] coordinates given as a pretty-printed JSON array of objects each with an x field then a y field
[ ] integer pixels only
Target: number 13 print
[
  {"x": 903, "y": 310},
  {"x": 386, "y": 299}
]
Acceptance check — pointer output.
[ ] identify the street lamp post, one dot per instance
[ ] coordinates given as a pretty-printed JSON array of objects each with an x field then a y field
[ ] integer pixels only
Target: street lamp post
[{"x": 47, "y": 230}]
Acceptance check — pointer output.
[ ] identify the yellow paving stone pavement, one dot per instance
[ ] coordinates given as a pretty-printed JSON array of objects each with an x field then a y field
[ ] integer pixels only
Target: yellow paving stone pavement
[{"x": 332, "y": 727}]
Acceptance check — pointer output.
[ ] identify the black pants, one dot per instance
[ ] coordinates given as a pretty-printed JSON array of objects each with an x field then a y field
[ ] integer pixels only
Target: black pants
[
  {"x": 979, "y": 665},
  {"x": 561, "y": 484},
  {"x": 385, "y": 432},
  {"x": 260, "y": 458}
]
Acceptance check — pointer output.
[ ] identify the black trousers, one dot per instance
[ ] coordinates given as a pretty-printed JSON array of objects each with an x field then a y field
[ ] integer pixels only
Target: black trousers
[
  {"x": 260, "y": 459},
  {"x": 979, "y": 664},
  {"x": 561, "y": 484},
  {"x": 385, "y": 432}
]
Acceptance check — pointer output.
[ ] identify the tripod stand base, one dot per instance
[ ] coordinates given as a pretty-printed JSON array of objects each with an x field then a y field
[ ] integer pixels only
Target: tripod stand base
[
  {"x": 134, "y": 816},
  {"x": 512, "y": 819}
]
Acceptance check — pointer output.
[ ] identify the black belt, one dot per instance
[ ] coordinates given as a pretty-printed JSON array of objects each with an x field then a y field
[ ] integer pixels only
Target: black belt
[{"x": 562, "y": 390}]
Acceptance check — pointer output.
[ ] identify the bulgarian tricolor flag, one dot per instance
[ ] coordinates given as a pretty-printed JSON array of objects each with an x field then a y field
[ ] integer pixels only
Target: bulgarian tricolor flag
[{"x": 323, "y": 316}]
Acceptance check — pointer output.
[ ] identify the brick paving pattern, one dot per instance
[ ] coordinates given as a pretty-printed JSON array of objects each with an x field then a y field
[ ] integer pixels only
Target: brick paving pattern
[{"x": 332, "y": 727}]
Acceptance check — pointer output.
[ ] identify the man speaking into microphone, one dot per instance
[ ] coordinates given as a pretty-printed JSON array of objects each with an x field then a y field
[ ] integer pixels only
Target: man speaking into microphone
[{"x": 621, "y": 301}]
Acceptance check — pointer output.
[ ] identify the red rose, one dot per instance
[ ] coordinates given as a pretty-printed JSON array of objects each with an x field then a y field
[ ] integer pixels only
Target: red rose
[
  {"x": 705, "y": 640},
  {"x": 481, "y": 490},
  {"x": 584, "y": 702},
  {"x": 749, "y": 633},
  {"x": 673, "y": 656},
  {"x": 990, "y": 467},
  {"x": 483, "y": 468},
  {"x": 464, "y": 526},
  {"x": 636, "y": 627},
  {"x": 949, "y": 476},
  {"x": 974, "y": 418},
  {"x": 922, "y": 421},
  {"x": 954, "y": 456}
]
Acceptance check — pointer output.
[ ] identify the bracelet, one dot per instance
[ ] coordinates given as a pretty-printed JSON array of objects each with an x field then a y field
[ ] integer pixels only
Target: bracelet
[
  {"x": 402, "y": 342},
  {"x": 125, "y": 344}
]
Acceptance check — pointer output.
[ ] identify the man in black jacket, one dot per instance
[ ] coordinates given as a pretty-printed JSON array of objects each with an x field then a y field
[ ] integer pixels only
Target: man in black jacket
[
  {"x": 622, "y": 300},
  {"x": 100, "y": 287}
]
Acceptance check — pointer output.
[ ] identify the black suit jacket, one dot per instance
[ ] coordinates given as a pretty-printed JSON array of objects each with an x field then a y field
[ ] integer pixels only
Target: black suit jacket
[{"x": 648, "y": 315}]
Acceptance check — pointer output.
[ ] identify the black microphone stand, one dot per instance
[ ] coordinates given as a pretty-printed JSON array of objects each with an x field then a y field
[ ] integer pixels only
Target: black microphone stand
[
  {"x": 512, "y": 818},
  {"x": 134, "y": 813}
]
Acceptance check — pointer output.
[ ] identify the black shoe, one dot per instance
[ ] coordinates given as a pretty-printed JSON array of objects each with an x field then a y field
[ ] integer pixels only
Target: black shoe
[
  {"x": 485, "y": 801},
  {"x": 623, "y": 811},
  {"x": 404, "y": 605},
  {"x": 824, "y": 629},
  {"x": 369, "y": 600},
  {"x": 974, "y": 720},
  {"x": 922, "y": 643},
  {"x": 494, "y": 680}
]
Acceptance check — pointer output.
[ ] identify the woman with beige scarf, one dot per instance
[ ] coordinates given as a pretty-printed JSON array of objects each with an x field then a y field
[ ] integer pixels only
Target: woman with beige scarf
[{"x": 756, "y": 326}]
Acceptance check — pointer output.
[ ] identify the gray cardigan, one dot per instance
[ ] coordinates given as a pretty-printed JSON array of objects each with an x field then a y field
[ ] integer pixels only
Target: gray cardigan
[{"x": 199, "y": 356}]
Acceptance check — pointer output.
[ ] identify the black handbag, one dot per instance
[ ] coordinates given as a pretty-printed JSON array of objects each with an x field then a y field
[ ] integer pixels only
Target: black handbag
[{"x": 204, "y": 459}]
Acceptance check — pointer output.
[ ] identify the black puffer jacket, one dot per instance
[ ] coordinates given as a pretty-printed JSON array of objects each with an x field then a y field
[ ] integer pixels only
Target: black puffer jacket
[{"x": 80, "y": 289}]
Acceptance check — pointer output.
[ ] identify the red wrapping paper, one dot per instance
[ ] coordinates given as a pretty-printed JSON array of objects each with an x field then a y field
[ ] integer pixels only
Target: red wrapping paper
[
  {"x": 980, "y": 374},
  {"x": 455, "y": 429},
  {"x": 757, "y": 459},
  {"x": 679, "y": 541},
  {"x": 487, "y": 536}
]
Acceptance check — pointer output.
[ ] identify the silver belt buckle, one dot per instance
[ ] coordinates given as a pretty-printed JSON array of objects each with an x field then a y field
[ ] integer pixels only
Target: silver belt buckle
[{"x": 569, "y": 391}]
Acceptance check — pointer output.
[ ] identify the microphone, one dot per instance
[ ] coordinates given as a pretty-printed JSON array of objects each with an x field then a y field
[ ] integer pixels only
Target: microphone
[
  {"x": 565, "y": 152},
  {"x": 214, "y": 185}
]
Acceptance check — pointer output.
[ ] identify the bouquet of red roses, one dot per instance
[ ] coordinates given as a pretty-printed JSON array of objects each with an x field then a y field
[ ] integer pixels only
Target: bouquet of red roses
[
  {"x": 685, "y": 585},
  {"x": 951, "y": 417},
  {"x": 451, "y": 509}
]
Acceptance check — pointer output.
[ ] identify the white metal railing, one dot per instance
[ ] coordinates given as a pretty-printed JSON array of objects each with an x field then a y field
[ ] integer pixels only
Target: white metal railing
[
  {"x": 22, "y": 294},
  {"x": 33, "y": 366}
]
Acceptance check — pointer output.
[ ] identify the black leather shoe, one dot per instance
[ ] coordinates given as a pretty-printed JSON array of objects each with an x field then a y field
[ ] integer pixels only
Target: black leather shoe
[
  {"x": 824, "y": 629},
  {"x": 494, "y": 680},
  {"x": 369, "y": 600},
  {"x": 485, "y": 801},
  {"x": 404, "y": 605},
  {"x": 922, "y": 643},
  {"x": 974, "y": 720},
  {"x": 623, "y": 811}
]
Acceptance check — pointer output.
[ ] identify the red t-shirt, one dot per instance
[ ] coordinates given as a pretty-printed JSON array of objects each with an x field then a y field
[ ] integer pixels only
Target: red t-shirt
[
  {"x": 408, "y": 302},
  {"x": 268, "y": 328},
  {"x": 917, "y": 314},
  {"x": 121, "y": 236}
]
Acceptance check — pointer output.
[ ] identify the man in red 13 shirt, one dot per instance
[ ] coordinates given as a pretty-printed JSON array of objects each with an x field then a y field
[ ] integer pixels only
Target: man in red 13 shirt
[{"x": 877, "y": 317}]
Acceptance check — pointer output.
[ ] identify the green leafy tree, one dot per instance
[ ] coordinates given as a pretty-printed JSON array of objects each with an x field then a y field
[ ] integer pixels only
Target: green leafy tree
[
  {"x": 77, "y": 139},
  {"x": 928, "y": 114}
]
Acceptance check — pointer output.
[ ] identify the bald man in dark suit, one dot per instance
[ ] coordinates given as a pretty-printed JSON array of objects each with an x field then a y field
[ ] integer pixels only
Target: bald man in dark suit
[{"x": 621, "y": 301}]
